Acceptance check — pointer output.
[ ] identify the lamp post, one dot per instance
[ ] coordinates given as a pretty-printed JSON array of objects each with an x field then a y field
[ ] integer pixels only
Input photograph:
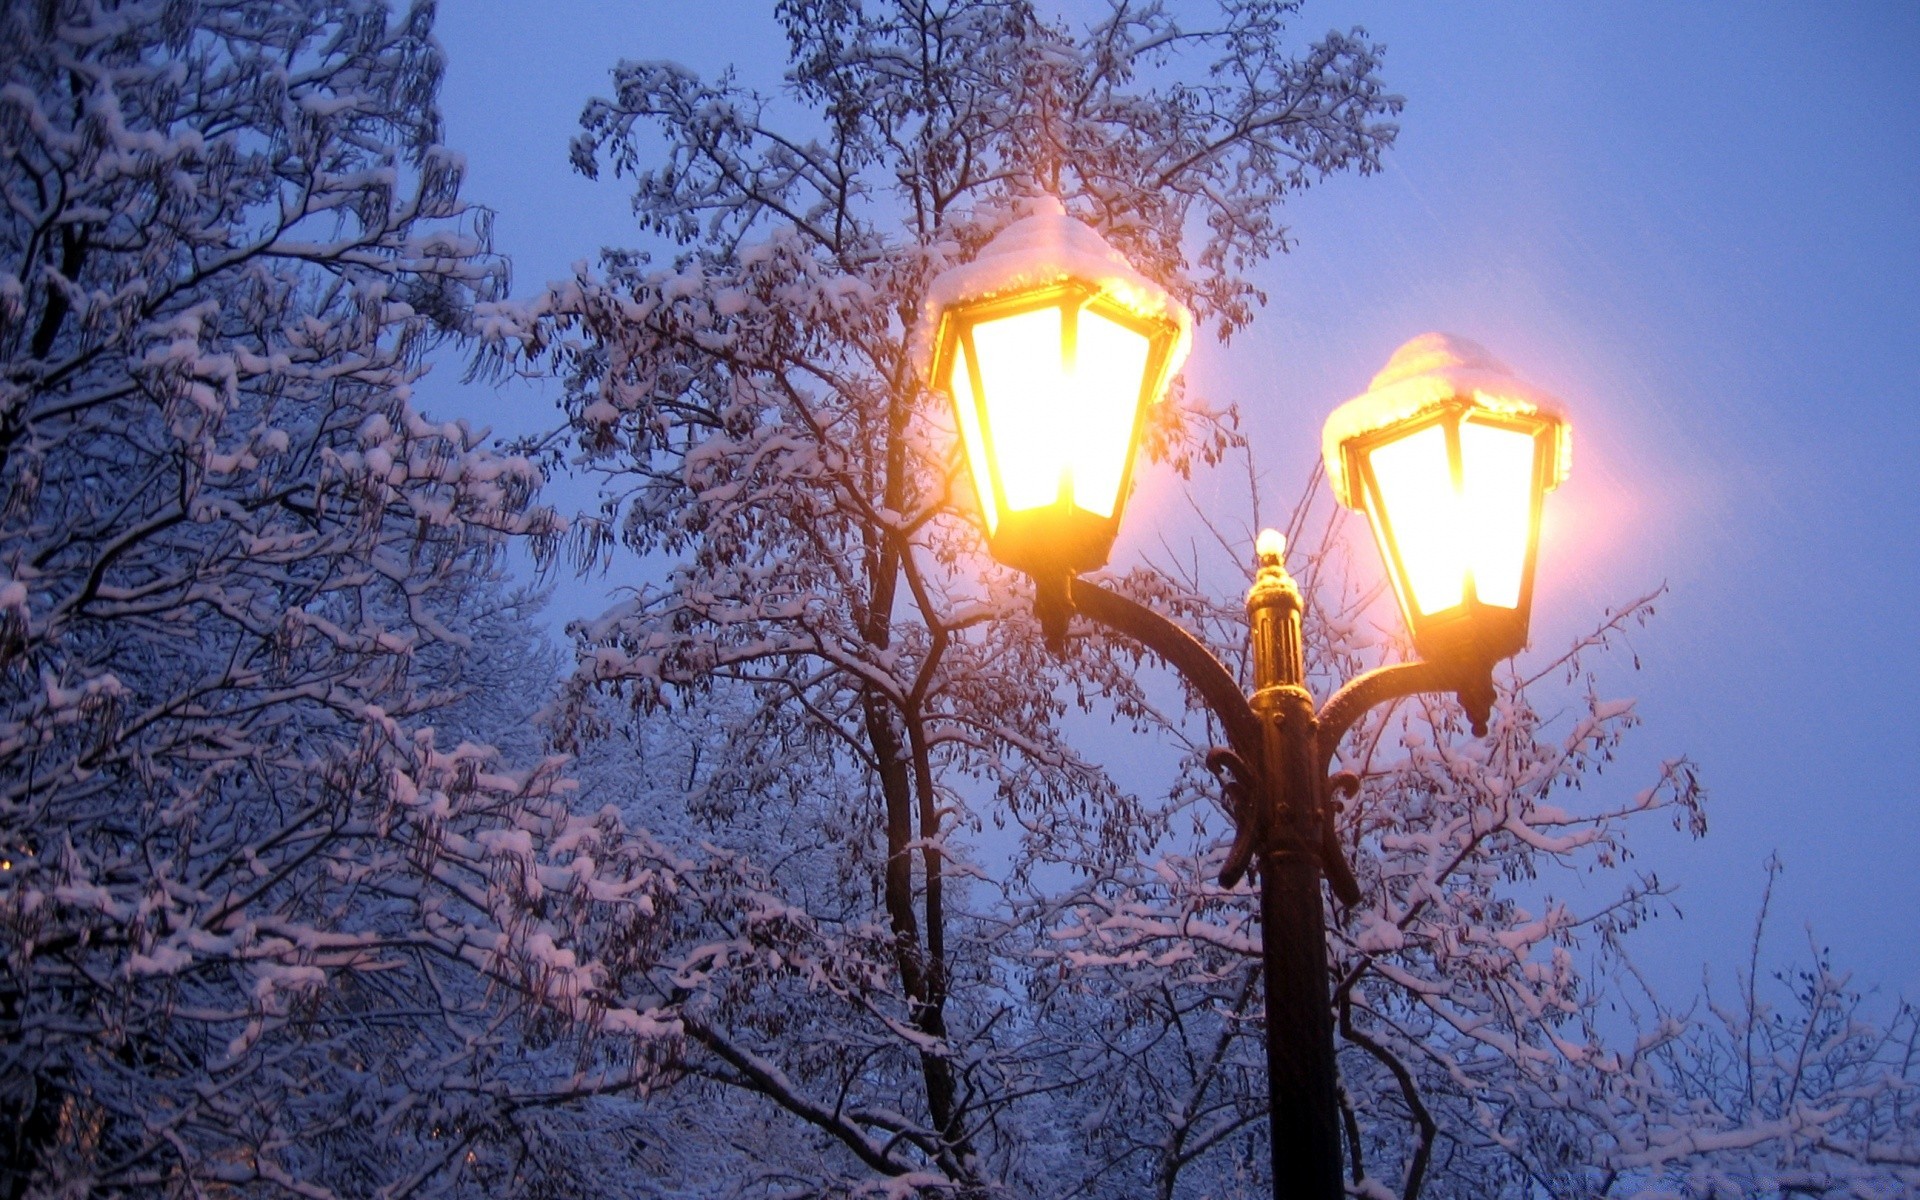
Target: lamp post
[{"x": 1052, "y": 349}]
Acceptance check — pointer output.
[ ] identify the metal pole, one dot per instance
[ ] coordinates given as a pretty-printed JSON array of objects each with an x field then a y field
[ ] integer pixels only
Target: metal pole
[{"x": 1301, "y": 1085}]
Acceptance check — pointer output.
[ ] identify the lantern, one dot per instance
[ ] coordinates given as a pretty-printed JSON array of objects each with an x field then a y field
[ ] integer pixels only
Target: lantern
[
  {"x": 1450, "y": 457},
  {"x": 1052, "y": 348}
]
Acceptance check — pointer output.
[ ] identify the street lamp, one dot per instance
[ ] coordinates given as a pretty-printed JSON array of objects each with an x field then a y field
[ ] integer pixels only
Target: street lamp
[
  {"x": 1450, "y": 457},
  {"x": 1051, "y": 346}
]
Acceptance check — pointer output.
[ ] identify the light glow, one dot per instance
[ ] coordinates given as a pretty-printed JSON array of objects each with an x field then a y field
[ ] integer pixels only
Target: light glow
[
  {"x": 1110, "y": 360},
  {"x": 1059, "y": 418},
  {"x": 1421, "y": 510},
  {"x": 1496, "y": 474},
  {"x": 1456, "y": 533},
  {"x": 975, "y": 444},
  {"x": 1451, "y": 458},
  {"x": 1024, "y": 380}
]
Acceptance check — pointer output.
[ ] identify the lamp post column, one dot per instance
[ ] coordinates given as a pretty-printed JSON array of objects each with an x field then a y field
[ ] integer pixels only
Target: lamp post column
[{"x": 1305, "y": 1122}]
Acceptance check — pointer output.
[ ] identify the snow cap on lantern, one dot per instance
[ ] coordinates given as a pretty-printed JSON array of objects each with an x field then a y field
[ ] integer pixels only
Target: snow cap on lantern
[
  {"x": 1052, "y": 346},
  {"x": 1043, "y": 248},
  {"x": 1450, "y": 457},
  {"x": 1430, "y": 371}
]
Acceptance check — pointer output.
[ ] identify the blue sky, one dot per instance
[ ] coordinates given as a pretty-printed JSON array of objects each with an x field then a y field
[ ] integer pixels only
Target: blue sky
[{"x": 1699, "y": 224}]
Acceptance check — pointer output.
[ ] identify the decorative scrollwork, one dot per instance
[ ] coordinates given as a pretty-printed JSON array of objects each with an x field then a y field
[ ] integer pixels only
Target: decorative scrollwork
[
  {"x": 1241, "y": 787},
  {"x": 1344, "y": 784}
]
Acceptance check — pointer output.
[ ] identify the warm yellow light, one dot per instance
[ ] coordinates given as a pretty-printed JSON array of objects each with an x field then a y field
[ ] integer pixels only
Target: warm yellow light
[
  {"x": 1110, "y": 364},
  {"x": 1052, "y": 348},
  {"x": 1023, "y": 383},
  {"x": 1496, "y": 509},
  {"x": 975, "y": 443},
  {"x": 1451, "y": 458},
  {"x": 1456, "y": 532},
  {"x": 1419, "y": 513},
  {"x": 1060, "y": 410}
]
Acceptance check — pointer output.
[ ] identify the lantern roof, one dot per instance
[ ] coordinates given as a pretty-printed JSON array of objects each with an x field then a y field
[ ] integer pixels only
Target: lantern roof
[
  {"x": 1044, "y": 247},
  {"x": 1433, "y": 370}
]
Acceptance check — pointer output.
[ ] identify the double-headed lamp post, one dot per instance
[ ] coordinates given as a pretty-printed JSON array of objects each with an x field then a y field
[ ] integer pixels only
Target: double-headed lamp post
[{"x": 1053, "y": 349}]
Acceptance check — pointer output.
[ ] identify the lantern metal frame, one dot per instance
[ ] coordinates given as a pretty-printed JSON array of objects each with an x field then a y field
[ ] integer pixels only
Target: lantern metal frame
[
  {"x": 1471, "y": 629},
  {"x": 1061, "y": 539}
]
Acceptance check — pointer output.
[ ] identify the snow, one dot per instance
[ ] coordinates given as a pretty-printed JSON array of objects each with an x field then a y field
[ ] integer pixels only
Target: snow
[
  {"x": 1042, "y": 248},
  {"x": 1423, "y": 374},
  {"x": 1378, "y": 935},
  {"x": 433, "y": 941}
]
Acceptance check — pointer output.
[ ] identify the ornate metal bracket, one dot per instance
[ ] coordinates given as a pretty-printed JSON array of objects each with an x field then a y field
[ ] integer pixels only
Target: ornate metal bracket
[
  {"x": 1221, "y": 693},
  {"x": 1239, "y": 762},
  {"x": 1238, "y": 783}
]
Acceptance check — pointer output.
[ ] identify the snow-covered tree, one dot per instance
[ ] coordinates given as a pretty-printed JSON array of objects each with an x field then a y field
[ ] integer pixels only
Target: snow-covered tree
[
  {"x": 756, "y": 414},
  {"x": 1459, "y": 984},
  {"x": 1799, "y": 1084},
  {"x": 264, "y": 891},
  {"x": 927, "y": 945}
]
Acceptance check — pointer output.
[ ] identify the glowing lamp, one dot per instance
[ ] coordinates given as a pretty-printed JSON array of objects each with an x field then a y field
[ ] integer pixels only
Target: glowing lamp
[
  {"x": 1052, "y": 349},
  {"x": 1450, "y": 457}
]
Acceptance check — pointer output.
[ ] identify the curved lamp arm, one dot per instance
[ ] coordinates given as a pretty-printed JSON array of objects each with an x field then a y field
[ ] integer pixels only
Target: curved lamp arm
[
  {"x": 1472, "y": 682},
  {"x": 1180, "y": 650}
]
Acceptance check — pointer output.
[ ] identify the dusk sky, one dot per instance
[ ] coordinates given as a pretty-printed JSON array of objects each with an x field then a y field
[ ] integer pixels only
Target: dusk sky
[{"x": 1698, "y": 224}]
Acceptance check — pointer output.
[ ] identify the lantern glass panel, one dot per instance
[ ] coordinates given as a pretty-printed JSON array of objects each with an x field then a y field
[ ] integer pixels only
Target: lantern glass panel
[
  {"x": 1023, "y": 377},
  {"x": 961, "y": 386},
  {"x": 1110, "y": 362},
  {"x": 1496, "y": 482},
  {"x": 1418, "y": 516}
]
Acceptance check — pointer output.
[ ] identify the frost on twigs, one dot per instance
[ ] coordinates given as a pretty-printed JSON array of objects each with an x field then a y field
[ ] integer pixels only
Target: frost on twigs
[
  {"x": 923, "y": 939},
  {"x": 273, "y": 919}
]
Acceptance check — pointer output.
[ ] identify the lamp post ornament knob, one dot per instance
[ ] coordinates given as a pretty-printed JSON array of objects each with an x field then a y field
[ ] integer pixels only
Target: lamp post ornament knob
[
  {"x": 1270, "y": 548},
  {"x": 1273, "y": 615}
]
